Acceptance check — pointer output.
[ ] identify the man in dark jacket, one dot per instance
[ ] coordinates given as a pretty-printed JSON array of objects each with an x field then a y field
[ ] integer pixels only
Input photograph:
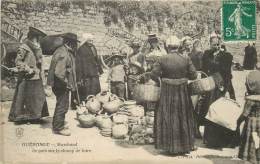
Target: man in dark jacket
[
  {"x": 88, "y": 68},
  {"x": 250, "y": 59},
  {"x": 225, "y": 64},
  {"x": 62, "y": 79}
]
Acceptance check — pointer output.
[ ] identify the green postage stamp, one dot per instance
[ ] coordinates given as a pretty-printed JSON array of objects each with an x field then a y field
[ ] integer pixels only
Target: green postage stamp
[{"x": 239, "y": 20}]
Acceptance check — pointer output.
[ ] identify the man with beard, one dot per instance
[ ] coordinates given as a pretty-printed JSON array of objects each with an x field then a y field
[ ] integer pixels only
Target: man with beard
[
  {"x": 215, "y": 136},
  {"x": 62, "y": 79}
]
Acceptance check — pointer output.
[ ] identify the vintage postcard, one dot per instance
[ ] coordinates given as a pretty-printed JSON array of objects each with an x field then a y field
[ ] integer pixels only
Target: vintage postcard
[{"x": 138, "y": 81}]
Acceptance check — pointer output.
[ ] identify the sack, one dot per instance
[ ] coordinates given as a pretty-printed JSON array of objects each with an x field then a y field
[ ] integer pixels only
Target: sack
[
  {"x": 50, "y": 43},
  {"x": 224, "y": 112}
]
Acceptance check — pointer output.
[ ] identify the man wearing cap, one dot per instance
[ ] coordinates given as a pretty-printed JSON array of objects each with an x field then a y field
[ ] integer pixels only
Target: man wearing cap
[
  {"x": 153, "y": 51},
  {"x": 88, "y": 68},
  {"x": 29, "y": 103},
  {"x": 62, "y": 79}
]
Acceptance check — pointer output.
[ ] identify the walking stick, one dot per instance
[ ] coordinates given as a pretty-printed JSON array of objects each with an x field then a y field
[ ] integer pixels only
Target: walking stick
[
  {"x": 77, "y": 91},
  {"x": 126, "y": 88}
]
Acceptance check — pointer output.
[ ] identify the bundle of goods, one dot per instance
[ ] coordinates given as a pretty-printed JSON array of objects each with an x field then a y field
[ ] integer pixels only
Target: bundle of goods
[
  {"x": 141, "y": 132},
  {"x": 219, "y": 114},
  {"x": 149, "y": 118}
]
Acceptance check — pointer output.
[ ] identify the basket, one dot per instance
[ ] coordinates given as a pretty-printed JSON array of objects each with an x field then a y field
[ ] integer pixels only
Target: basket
[
  {"x": 146, "y": 92},
  {"x": 201, "y": 86}
]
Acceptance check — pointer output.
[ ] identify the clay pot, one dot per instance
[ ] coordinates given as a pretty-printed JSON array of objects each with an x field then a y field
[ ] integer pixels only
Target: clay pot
[
  {"x": 113, "y": 104},
  {"x": 81, "y": 110},
  {"x": 87, "y": 120},
  {"x": 105, "y": 122},
  {"x": 120, "y": 118},
  {"x": 149, "y": 131},
  {"x": 136, "y": 111},
  {"x": 149, "y": 120},
  {"x": 93, "y": 104},
  {"x": 119, "y": 131},
  {"x": 103, "y": 97}
]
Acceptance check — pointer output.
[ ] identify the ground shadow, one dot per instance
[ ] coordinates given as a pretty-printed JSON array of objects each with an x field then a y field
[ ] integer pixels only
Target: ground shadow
[{"x": 46, "y": 123}]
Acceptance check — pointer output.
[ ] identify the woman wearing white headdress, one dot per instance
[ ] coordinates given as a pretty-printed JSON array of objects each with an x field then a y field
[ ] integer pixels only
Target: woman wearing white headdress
[
  {"x": 174, "y": 126},
  {"x": 88, "y": 67}
]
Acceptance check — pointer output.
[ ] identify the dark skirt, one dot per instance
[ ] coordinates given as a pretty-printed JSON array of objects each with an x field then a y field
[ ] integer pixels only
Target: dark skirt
[
  {"x": 91, "y": 86},
  {"x": 215, "y": 136},
  {"x": 174, "y": 126},
  {"x": 29, "y": 102},
  {"x": 247, "y": 150}
]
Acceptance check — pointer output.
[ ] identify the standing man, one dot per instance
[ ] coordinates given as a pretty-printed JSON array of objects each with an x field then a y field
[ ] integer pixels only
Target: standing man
[
  {"x": 212, "y": 64},
  {"x": 29, "y": 102},
  {"x": 225, "y": 61},
  {"x": 88, "y": 68},
  {"x": 250, "y": 59},
  {"x": 62, "y": 79}
]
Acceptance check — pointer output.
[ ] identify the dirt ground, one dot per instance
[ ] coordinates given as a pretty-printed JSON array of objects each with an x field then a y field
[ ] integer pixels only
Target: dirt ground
[{"x": 88, "y": 145}]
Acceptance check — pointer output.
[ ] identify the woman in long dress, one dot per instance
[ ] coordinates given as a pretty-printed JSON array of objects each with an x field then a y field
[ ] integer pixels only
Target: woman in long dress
[
  {"x": 29, "y": 102},
  {"x": 88, "y": 68},
  {"x": 174, "y": 125}
]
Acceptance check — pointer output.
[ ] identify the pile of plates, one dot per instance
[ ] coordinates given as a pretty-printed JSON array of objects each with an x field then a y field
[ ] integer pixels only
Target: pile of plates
[{"x": 106, "y": 132}]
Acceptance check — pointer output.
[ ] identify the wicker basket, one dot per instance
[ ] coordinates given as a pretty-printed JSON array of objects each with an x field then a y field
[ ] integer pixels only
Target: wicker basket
[
  {"x": 146, "y": 93},
  {"x": 203, "y": 85}
]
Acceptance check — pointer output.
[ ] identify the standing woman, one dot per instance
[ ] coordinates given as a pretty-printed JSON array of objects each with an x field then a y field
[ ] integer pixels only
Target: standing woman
[
  {"x": 174, "y": 126},
  {"x": 29, "y": 102},
  {"x": 88, "y": 68}
]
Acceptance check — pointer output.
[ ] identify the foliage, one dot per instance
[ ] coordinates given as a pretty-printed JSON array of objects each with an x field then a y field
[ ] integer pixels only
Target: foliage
[
  {"x": 107, "y": 20},
  {"x": 39, "y": 6},
  {"x": 129, "y": 22},
  {"x": 65, "y": 6},
  {"x": 170, "y": 21}
]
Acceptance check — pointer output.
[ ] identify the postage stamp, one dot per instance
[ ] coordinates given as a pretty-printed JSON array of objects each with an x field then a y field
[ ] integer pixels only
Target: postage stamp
[{"x": 239, "y": 20}]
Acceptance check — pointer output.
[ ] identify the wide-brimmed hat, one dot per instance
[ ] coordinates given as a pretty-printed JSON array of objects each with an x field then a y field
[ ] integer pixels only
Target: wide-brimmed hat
[
  {"x": 37, "y": 32},
  {"x": 137, "y": 65},
  {"x": 152, "y": 38},
  {"x": 70, "y": 36},
  {"x": 253, "y": 82}
]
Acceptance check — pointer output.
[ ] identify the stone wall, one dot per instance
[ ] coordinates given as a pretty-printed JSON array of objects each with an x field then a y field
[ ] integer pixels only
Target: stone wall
[{"x": 54, "y": 19}]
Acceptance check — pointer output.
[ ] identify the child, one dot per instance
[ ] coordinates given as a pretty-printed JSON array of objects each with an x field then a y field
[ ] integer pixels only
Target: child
[
  {"x": 135, "y": 70},
  {"x": 249, "y": 146},
  {"x": 117, "y": 76}
]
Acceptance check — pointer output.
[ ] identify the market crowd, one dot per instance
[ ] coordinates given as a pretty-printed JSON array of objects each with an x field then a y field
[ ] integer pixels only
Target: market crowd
[{"x": 74, "y": 75}]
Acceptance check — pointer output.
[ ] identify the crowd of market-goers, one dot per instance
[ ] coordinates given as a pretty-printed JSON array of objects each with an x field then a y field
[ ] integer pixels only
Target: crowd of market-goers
[{"x": 177, "y": 119}]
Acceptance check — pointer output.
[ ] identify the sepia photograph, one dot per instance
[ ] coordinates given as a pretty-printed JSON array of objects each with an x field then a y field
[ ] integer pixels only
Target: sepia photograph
[{"x": 130, "y": 81}]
